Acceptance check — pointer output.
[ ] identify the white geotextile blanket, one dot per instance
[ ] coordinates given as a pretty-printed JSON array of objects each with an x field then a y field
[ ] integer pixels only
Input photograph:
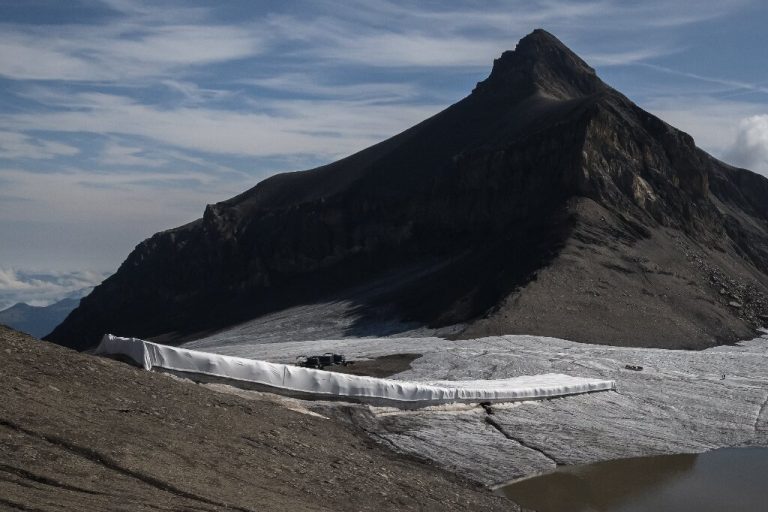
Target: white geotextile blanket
[{"x": 293, "y": 378}]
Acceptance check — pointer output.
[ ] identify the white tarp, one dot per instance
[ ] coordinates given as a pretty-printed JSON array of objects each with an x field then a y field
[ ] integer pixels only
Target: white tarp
[{"x": 317, "y": 382}]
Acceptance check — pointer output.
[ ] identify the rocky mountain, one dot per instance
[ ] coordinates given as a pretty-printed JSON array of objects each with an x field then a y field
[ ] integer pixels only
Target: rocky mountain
[
  {"x": 37, "y": 320},
  {"x": 545, "y": 202}
]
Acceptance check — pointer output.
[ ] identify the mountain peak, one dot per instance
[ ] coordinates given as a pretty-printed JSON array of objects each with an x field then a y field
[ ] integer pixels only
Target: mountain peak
[
  {"x": 541, "y": 63},
  {"x": 541, "y": 37},
  {"x": 543, "y": 183}
]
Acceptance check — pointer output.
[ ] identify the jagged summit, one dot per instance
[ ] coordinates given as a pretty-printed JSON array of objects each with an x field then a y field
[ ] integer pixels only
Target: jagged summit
[
  {"x": 544, "y": 203},
  {"x": 541, "y": 63}
]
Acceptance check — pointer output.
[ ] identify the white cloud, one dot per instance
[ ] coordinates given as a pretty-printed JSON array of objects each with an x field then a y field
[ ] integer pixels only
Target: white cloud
[
  {"x": 306, "y": 84},
  {"x": 678, "y": 14},
  {"x": 627, "y": 57},
  {"x": 155, "y": 41},
  {"x": 119, "y": 155},
  {"x": 89, "y": 219},
  {"x": 327, "y": 129},
  {"x": 750, "y": 148},
  {"x": 730, "y": 84},
  {"x": 118, "y": 197},
  {"x": 713, "y": 123},
  {"x": 389, "y": 49},
  {"x": 193, "y": 94},
  {"x": 42, "y": 288},
  {"x": 118, "y": 52},
  {"x": 407, "y": 34},
  {"x": 18, "y": 145},
  {"x": 180, "y": 45}
]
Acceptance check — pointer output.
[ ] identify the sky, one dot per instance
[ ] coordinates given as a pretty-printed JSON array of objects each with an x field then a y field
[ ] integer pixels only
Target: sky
[{"x": 121, "y": 118}]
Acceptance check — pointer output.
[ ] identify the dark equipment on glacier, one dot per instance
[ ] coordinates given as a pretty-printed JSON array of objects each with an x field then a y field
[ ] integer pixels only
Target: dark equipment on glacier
[{"x": 320, "y": 362}]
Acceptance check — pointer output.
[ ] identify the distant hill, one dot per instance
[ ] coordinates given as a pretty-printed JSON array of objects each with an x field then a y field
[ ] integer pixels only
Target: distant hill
[{"x": 37, "y": 320}]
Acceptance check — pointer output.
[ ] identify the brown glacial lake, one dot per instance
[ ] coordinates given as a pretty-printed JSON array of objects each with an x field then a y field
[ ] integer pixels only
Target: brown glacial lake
[{"x": 732, "y": 479}]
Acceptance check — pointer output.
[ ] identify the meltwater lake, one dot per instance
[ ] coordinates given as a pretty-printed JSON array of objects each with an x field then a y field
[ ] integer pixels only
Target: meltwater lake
[{"x": 732, "y": 479}]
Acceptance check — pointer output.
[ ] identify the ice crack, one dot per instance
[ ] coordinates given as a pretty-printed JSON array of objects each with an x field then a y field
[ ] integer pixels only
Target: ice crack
[
  {"x": 760, "y": 412},
  {"x": 495, "y": 424}
]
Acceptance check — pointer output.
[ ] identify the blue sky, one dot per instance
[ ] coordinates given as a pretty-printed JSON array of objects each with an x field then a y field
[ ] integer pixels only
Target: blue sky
[{"x": 120, "y": 118}]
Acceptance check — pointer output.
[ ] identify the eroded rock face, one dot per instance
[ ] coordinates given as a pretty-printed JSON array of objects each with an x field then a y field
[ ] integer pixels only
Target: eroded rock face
[{"x": 543, "y": 164}]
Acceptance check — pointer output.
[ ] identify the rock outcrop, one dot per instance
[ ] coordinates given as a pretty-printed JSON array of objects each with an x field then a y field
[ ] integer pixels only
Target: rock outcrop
[{"x": 545, "y": 202}]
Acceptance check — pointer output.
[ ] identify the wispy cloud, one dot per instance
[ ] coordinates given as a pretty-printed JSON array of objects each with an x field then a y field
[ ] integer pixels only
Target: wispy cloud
[
  {"x": 329, "y": 129},
  {"x": 629, "y": 57},
  {"x": 732, "y": 84},
  {"x": 118, "y": 52},
  {"x": 14, "y": 145},
  {"x": 118, "y": 155},
  {"x": 123, "y": 195},
  {"x": 75, "y": 218},
  {"x": 194, "y": 94},
  {"x": 342, "y": 44},
  {"x": 157, "y": 41},
  {"x": 414, "y": 35},
  {"x": 305, "y": 84}
]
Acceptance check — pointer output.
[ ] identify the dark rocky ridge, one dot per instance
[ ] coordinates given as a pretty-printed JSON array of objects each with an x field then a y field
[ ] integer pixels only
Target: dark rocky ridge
[{"x": 543, "y": 203}]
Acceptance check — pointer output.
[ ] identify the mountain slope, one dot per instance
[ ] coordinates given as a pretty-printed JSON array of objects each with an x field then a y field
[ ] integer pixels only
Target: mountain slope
[
  {"x": 37, "y": 320},
  {"x": 545, "y": 202}
]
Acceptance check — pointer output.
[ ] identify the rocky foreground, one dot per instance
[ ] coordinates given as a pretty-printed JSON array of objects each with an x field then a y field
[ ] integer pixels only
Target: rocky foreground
[{"x": 78, "y": 432}]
